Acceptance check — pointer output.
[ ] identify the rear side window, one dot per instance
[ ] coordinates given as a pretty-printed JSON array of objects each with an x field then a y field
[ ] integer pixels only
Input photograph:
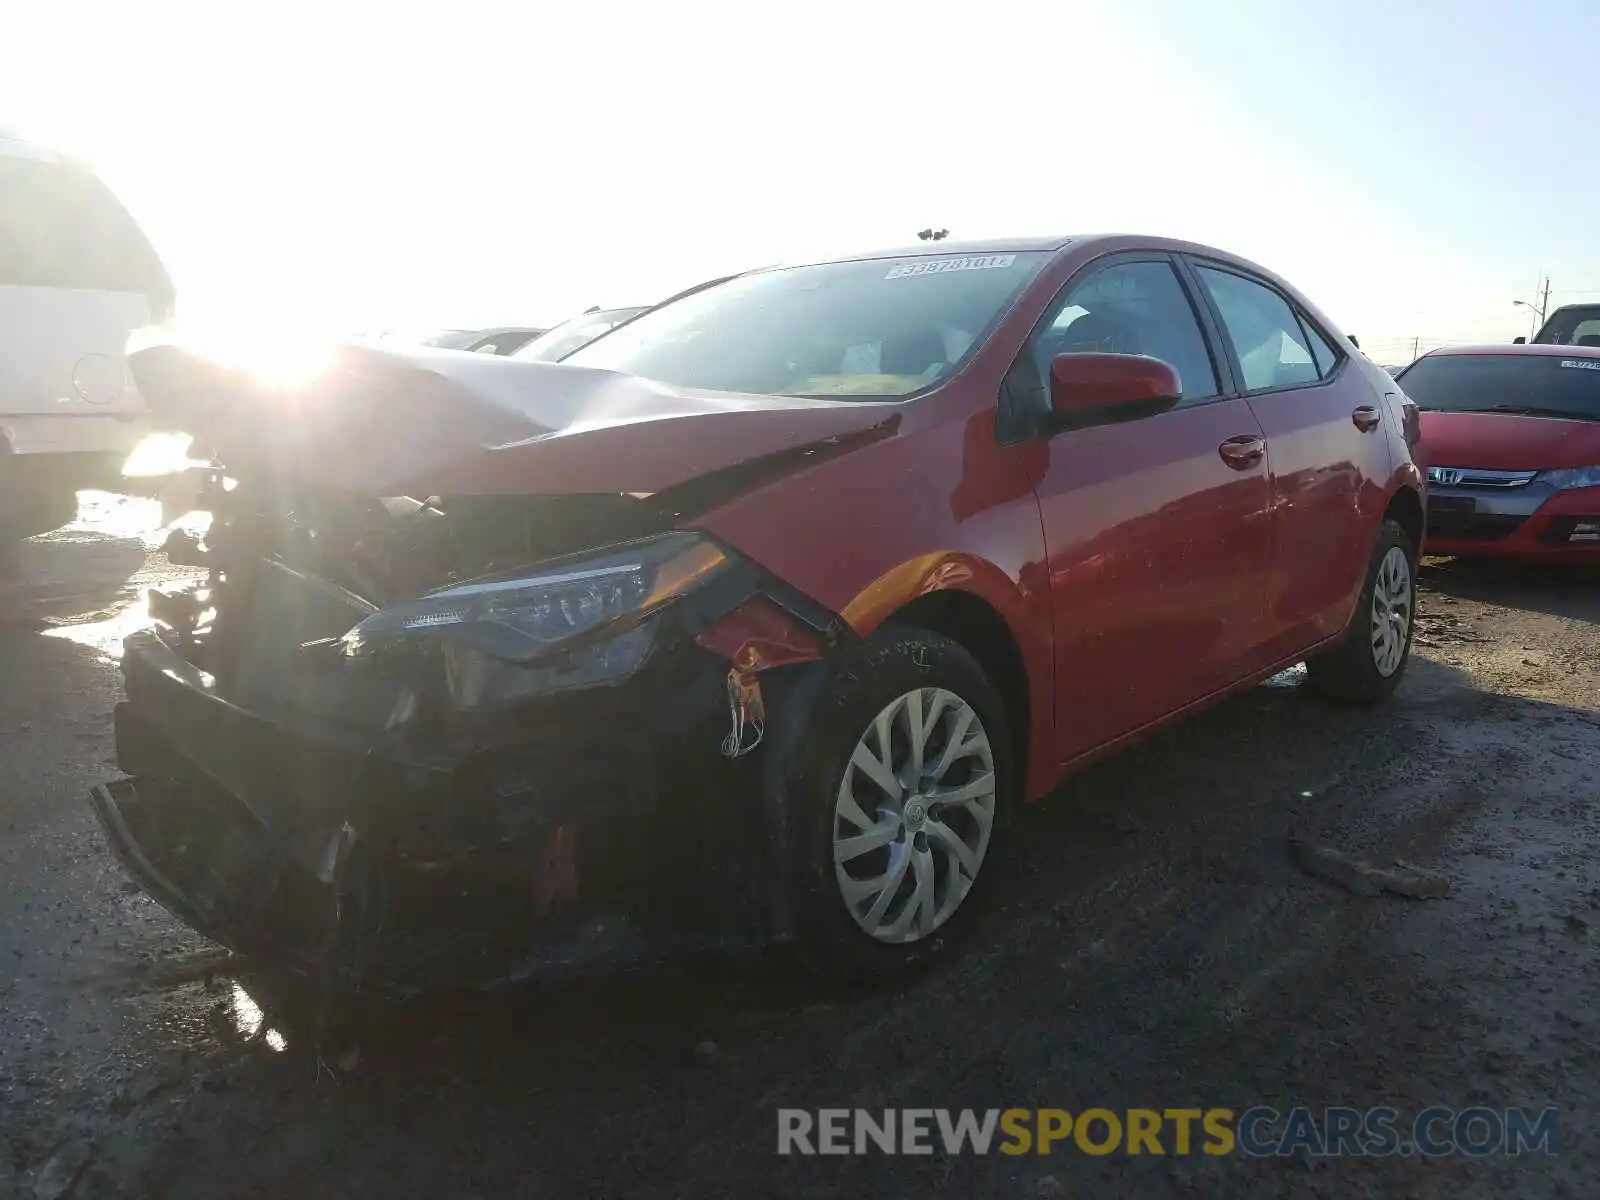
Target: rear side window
[
  {"x": 1268, "y": 339},
  {"x": 1327, "y": 357},
  {"x": 60, "y": 227}
]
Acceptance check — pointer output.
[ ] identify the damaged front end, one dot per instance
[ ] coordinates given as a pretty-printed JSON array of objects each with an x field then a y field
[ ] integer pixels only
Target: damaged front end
[{"x": 376, "y": 744}]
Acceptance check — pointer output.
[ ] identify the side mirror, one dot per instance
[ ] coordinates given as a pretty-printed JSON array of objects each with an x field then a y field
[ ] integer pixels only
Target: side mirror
[
  {"x": 1519, "y": 341},
  {"x": 1353, "y": 340},
  {"x": 1092, "y": 389}
]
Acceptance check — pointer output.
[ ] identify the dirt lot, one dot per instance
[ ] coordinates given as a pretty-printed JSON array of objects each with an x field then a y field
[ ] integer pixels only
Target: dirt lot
[{"x": 1157, "y": 948}]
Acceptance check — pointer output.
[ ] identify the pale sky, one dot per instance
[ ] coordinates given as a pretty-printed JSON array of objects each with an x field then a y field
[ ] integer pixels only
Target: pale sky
[{"x": 340, "y": 166}]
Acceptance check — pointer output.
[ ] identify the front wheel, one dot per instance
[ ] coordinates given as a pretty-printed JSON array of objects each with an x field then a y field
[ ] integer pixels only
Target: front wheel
[
  {"x": 1367, "y": 664},
  {"x": 907, "y": 802}
]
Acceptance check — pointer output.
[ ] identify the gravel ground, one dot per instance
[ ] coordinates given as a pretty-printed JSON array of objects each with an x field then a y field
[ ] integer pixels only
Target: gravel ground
[{"x": 1157, "y": 948}]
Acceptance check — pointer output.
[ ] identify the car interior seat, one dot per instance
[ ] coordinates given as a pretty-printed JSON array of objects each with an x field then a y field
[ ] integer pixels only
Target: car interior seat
[{"x": 911, "y": 353}]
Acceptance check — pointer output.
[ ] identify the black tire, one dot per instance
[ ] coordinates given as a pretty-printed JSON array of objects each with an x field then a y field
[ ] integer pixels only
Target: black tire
[
  {"x": 1349, "y": 672},
  {"x": 895, "y": 661}
]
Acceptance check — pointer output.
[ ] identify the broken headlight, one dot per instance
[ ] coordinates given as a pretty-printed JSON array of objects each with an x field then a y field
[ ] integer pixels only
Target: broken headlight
[{"x": 568, "y": 623}]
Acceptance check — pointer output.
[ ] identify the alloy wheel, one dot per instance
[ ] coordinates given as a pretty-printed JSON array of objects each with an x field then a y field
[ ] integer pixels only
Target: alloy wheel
[
  {"x": 1393, "y": 602},
  {"x": 913, "y": 815}
]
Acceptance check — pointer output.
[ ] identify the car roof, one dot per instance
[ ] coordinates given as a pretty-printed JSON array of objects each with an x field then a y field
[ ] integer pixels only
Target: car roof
[
  {"x": 1088, "y": 242},
  {"x": 1531, "y": 349},
  {"x": 945, "y": 246}
]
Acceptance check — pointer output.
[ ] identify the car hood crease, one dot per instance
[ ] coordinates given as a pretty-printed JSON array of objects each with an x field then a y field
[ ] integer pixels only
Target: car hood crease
[{"x": 420, "y": 422}]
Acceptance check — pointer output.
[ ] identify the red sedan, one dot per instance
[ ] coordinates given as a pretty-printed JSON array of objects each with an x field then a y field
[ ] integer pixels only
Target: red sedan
[
  {"x": 1511, "y": 436},
  {"x": 753, "y": 620}
]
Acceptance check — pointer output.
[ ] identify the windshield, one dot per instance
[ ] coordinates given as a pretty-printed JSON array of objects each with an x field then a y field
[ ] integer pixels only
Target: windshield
[
  {"x": 1578, "y": 325},
  {"x": 1547, "y": 384},
  {"x": 555, "y": 344},
  {"x": 880, "y": 328}
]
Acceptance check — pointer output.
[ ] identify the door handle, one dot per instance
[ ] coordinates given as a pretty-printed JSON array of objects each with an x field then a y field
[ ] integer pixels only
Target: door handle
[
  {"x": 1366, "y": 418},
  {"x": 1243, "y": 452}
]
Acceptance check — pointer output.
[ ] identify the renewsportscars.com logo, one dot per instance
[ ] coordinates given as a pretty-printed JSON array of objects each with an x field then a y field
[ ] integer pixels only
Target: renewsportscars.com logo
[{"x": 1258, "y": 1132}]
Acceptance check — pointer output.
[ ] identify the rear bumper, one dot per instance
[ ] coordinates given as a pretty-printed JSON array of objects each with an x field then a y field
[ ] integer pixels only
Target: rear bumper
[
  {"x": 605, "y": 830},
  {"x": 1532, "y": 523}
]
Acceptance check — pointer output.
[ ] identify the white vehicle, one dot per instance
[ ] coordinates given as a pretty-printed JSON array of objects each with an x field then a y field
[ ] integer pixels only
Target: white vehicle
[{"x": 77, "y": 275}]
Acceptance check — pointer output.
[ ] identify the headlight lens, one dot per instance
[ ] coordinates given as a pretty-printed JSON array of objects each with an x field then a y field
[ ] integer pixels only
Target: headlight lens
[
  {"x": 494, "y": 631},
  {"x": 1572, "y": 477}
]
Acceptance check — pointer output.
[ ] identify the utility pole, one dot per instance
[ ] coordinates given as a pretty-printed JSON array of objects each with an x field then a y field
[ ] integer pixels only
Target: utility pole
[{"x": 1541, "y": 309}]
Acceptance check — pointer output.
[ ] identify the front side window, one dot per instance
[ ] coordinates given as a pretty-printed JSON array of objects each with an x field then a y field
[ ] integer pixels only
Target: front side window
[
  {"x": 1127, "y": 308},
  {"x": 1586, "y": 333},
  {"x": 1539, "y": 385},
  {"x": 1268, "y": 339},
  {"x": 882, "y": 328},
  {"x": 1567, "y": 326}
]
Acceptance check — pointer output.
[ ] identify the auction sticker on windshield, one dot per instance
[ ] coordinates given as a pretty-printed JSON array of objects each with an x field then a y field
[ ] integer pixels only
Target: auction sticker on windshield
[
  {"x": 972, "y": 262},
  {"x": 1583, "y": 364}
]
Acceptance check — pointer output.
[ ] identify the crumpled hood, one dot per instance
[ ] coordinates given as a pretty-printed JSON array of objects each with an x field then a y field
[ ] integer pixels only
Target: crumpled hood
[
  {"x": 1507, "y": 442},
  {"x": 420, "y": 422}
]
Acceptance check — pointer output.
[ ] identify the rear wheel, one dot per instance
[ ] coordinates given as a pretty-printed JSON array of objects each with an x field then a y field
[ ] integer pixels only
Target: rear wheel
[
  {"x": 1367, "y": 664},
  {"x": 907, "y": 803}
]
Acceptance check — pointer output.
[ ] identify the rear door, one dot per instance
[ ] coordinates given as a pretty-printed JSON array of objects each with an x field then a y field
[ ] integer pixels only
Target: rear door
[
  {"x": 76, "y": 276},
  {"x": 1327, "y": 453},
  {"x": 1157, "y": 531}
]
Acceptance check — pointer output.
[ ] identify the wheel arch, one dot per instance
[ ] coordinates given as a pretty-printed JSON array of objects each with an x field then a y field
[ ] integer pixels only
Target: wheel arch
[
  {"x": 1405, "y": 508},
  {"x": 972, "y": 621}
]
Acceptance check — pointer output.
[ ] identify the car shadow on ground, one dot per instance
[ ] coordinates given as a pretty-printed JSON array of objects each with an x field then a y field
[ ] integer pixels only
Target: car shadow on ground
[{"x": 1562, "y": 591}]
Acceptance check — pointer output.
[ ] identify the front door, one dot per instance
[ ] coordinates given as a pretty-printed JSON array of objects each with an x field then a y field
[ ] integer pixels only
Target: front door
[
  {"x": 1157, "y": 530},
  {"x": 1326, "y": 452}
]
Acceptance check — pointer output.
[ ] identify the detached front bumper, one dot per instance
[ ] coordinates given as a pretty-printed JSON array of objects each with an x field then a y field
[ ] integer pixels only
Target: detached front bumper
[
  {"x": 1533, "y": 522},
  {"x": 604, "y": 827}
]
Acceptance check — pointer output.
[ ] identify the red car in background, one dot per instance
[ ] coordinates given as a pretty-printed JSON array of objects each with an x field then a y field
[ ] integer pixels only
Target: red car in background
[
  {"x": 1511, "y": 438},
  {"x": 752, "y": 620}
]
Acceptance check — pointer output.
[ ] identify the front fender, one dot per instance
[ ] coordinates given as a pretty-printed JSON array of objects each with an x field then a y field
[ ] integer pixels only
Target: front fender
[{"x": 940, "y": 509}]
